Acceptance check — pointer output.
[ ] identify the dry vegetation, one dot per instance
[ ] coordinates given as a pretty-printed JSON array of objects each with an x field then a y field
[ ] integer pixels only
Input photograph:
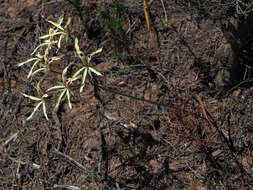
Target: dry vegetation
[{"x": 167, "y": 113}]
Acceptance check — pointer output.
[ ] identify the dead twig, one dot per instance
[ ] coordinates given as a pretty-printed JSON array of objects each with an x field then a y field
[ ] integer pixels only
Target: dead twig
[
  {"x": 103, "y": 159},
  {"x": 57, "y": 126},
  {"x": 113, "y": 91},
  {"x": 224, "y": 138},
  {"x": 12, "y": 137},
  {"x": 164, "y": 10},
  {"x": 145, "y": 7},
  {"x": 71, "y": 187},
  {"x": 75, "y": 163}
]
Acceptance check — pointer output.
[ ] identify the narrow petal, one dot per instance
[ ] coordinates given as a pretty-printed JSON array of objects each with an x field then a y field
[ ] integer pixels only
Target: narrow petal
[
  {"x": 76, "y": 45},
  {"x": 56, "y": 58},
  {"x": 59, "y": 41},
  {"x": 68, "y": 97},
  {"x": 94, "y": 53},
  {"x": 35, "y": 109},
  {"x": 56, "y": 25},
  {"x": 78, "y": 72},
  {"x": 46, "y": 43},
  {"x": 94, "y": 71},
  {"x": 44, "y": 110},
  {"x": 51, "y": 35},
  {"x": 56, "y": 87},
  {"x": 59, "y": 99},
  {"x": 27, "y": 61},
  {"x": 31, "y": 97},
  {"x": 78, "y": 51},
  {"x": 68, "y": 22},
  {"x": 38, "y": 70},
  {"x": 31, "y": 70}
]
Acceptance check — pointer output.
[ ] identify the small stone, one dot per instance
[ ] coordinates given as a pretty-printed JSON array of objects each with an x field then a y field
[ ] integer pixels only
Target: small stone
[
  {"x": 236, "y": 93},
  {"x": 222, "y": 78},
  {"x": 223, "y": 51}
]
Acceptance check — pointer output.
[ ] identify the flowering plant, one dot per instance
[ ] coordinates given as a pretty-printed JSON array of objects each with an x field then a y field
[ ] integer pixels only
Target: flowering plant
[{"x": 42, "y": 64}]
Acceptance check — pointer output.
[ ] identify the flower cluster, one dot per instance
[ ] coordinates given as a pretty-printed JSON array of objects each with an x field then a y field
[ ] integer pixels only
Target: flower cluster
[{"x": 42, "y": 63}]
